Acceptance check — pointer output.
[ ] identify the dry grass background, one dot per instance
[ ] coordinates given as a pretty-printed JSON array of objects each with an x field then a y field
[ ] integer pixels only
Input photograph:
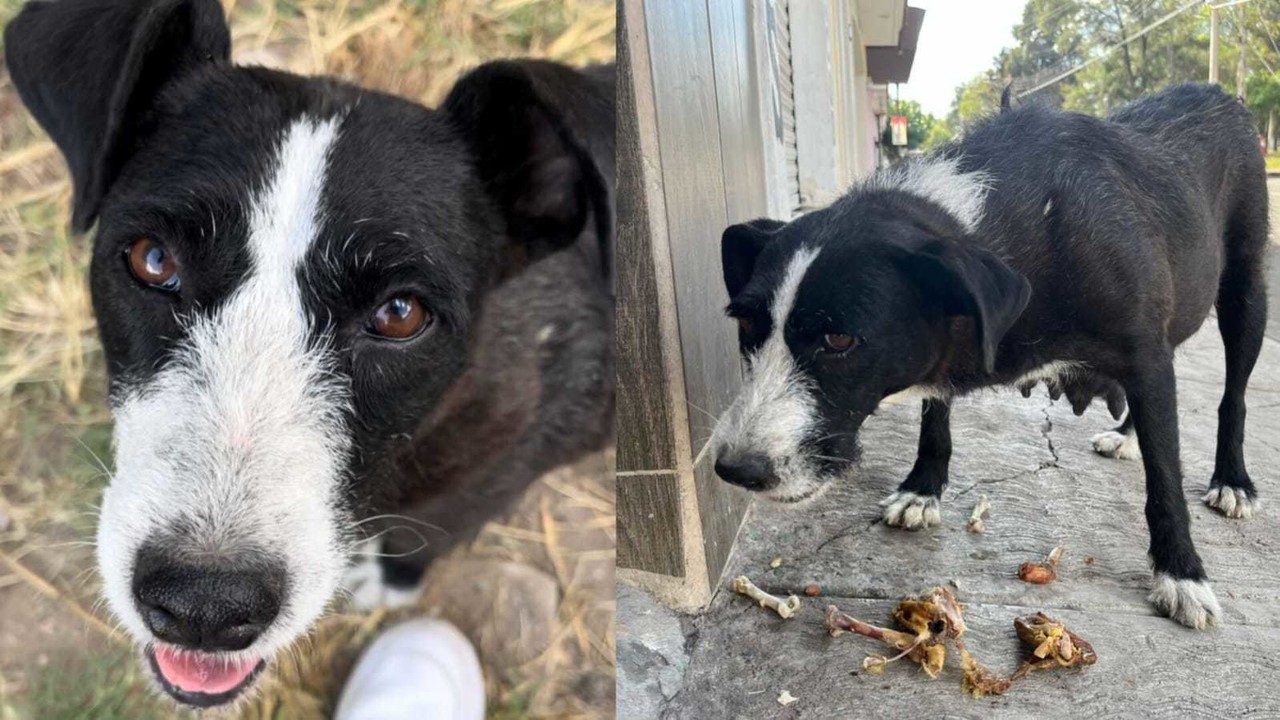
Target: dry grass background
[{"x": 58, "y": 658}]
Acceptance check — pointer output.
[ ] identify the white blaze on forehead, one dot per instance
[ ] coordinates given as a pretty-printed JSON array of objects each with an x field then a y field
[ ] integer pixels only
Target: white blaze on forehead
[
  {"x": 775, "y": 409},
  {"x": 240, "y": 438},
  {"x": 939, "y": 180},
  {"x": 284, "y": 218}
]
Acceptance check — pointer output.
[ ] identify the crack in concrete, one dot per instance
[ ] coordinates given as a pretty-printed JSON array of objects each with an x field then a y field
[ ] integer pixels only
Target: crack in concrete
[
  {"x": 994, "y": 481},
  {"x": 1045, "y": 431},
  {"x": 843, "y": 533}
]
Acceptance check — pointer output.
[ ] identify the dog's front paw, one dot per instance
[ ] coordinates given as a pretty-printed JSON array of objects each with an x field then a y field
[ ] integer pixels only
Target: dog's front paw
[
  {"x": 1233, "y": 502},
  {"x": 911, "y": 511},
  {"x": 1190, "y": 602},
  {"x": 366, "y": 584},
  {"x": 1116, "y": 445}
]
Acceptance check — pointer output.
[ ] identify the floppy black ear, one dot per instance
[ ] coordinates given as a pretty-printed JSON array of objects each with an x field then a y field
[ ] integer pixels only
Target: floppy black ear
[
  {"x": 740, "y": 245},
  {"x": 970, "y": 281},
  {"x": 543, "y": 179},
  {"x": 90, "y": 69}
]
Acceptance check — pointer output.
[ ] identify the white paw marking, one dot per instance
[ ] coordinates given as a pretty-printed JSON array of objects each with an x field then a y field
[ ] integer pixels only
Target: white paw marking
[
  {"x": 1117, "y": 445},
  {"x": 1190, "y": 602},
  {"x": 911, "y": 511},
  {"x": 1232, "y": 502},
  {"x": 364, "y": 583}
]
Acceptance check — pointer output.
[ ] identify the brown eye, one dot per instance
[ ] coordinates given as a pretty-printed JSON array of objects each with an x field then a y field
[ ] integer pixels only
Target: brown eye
[
  {"x": 745, "y": 326},
  {"x": 838, "y": 343},
  {"x": 399, "y": 318},
  {"x": 152, "y": 264}
]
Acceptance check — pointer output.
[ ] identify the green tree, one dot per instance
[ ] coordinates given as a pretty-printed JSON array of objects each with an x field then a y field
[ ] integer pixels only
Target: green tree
[
  {"x": 1263, "y": 98},
  {"x": 939, "y": 134},
  {"x": 919, "y": 125},
  {"x": 1048, "y": 42},
  {"x": 1261, "y": 22},
  {"x": 976, "y": 99},
  {"x": 1058, "y": 35},
  {"x": 1176, "y": 51}
]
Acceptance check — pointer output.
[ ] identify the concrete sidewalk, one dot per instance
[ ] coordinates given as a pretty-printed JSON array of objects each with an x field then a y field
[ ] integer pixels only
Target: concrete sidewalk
[
  {"x": 1033, "y": 459},
  {"x": 1273, "y": 277}
]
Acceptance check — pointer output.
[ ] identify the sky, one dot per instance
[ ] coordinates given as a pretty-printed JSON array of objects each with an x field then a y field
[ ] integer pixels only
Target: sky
[{"x": 958, "y": 40}]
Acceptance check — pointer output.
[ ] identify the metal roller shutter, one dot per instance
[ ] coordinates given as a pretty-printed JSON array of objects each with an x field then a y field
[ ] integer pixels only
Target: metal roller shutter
[{"x": 780, "y": 31}]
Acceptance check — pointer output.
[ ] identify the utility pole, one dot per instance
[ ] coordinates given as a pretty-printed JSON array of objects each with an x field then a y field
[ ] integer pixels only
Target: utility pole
[
  {"x": 1213, "y": 44},
  {"x": 1240, "y": 66}
]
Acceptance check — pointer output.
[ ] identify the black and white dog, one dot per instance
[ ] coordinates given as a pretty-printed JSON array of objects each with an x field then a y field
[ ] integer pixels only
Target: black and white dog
[
  {"x": 319, "y": 305},
  {"x": 1041, "y": 246}
]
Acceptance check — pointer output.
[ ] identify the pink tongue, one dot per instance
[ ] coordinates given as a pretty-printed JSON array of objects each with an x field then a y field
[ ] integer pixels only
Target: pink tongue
[{"x": 201, "y": 672}]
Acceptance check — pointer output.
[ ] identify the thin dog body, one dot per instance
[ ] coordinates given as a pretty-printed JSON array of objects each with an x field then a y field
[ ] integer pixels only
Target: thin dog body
[
  {"x": 320, "y": 305},
  {"x": 1042, "y": 246}
]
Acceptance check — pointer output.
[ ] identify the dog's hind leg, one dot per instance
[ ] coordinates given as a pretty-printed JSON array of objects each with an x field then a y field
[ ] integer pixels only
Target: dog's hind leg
[
  {"x": 1120, "y": 442},
  {"x": 1242, "y": 320},
  {"x": 1181, "y": 591},
  {"x": 917, "y": 502}
]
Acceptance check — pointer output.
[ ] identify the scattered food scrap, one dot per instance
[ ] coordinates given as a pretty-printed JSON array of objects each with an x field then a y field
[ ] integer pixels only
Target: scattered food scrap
[
  {"x": 976, "y": 524},
  {"x": 785, "y": 608},
  {"x": 786, "y": 698},
  {"x": 1042, "y": 574},
  {"x": 938, "y": 613},
  {"x": 812, "y": 590},
  {"x": 978, "y": 680},
  {"x": 775, "y": 563},
  {"x": 933, "y": 620},
  {"x": 1053, "y": 645},
  {"x": 936, "y": 620},
  {"x": 925, "y": 650}
]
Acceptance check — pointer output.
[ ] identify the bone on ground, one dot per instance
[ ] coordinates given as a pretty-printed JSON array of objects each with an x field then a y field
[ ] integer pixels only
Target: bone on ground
[
  {"x": 976, "y": 524},
  {"x": 785, "y": 608}
]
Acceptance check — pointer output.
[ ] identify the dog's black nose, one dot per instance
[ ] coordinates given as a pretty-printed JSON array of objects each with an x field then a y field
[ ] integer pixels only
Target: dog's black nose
[
  {"x": 205, "y": 607},
  {"x": 752, "y": 471}
]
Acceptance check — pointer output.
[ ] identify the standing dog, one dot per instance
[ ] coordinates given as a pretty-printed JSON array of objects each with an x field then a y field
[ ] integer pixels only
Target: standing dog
[
  {"x": 319, "y": 305},
  {"x": 1042, "y": 246}
]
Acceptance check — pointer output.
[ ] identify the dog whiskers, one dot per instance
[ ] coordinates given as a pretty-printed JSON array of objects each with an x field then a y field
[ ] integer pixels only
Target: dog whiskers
[
  {"x": 106, "y": 472},
  {"x": 714, "y": 418},
  {"x": 406, "y": 518},
  {"x": 424, "y": 543}
]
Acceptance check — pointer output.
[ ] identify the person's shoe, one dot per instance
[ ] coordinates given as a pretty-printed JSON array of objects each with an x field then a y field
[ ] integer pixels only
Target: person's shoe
[{"x": 422, "y": 668}]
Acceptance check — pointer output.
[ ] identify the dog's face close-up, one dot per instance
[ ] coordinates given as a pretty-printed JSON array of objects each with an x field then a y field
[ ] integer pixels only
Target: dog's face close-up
[
  {"x": 283, "y": 279},
  {"x": 283, "y": 275},
  {"x": 837, "y": 311}
]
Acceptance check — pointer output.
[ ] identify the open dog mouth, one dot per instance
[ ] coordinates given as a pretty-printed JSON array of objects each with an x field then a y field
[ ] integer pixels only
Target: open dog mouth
[{"x": 202, "y": 679}]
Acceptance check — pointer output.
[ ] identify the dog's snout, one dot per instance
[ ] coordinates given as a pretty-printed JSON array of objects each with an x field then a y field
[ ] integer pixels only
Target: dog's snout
[
  {"x": 206, "y": 607},
  {"x": 752, "y": 471}
]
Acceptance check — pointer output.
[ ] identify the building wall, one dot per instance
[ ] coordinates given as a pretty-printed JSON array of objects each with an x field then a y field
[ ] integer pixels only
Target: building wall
[
  {"x": 704, "y": 130},
  {"x": 693, "y": 113}
]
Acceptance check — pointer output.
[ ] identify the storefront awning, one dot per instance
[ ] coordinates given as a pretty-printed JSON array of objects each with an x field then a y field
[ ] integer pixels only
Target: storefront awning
[{"x": 892, "y": 64}]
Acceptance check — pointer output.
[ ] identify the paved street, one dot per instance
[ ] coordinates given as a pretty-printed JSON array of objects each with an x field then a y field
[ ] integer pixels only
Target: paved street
[{"x": 1033, "y": 459}]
